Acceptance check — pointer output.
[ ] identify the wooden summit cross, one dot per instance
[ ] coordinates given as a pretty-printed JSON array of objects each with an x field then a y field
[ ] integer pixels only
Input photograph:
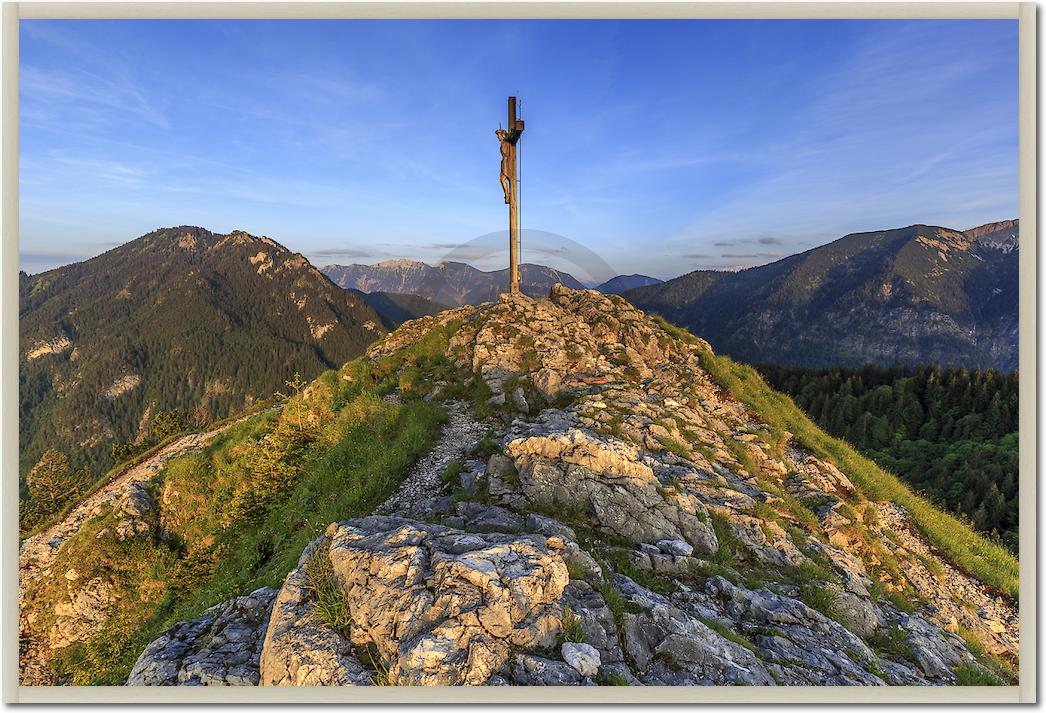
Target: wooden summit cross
[{"x": 510, "y": 185}]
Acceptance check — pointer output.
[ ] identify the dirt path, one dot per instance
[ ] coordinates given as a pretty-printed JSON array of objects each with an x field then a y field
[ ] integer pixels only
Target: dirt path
[
  {"x": 459, "y": 436},
  {"x": 36, "y": 553}
]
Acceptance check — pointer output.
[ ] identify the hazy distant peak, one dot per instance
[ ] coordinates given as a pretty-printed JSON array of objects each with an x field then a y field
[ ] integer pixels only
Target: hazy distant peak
[{"x": 399, "y": 263}]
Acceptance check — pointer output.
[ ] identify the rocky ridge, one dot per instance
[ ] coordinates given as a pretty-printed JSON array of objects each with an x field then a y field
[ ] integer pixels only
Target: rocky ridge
[{"x": 635, "y": 524}]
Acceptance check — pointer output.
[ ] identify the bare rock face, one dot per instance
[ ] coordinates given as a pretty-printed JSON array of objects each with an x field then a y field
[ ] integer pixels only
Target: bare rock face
[
  {"x": 432, "y": 605},
  {"x": 221, "y": 648},
  {"x": 299, "y": 650},
  {"x": 605, "y": 476},
  {"x": 444, "y": 607}
]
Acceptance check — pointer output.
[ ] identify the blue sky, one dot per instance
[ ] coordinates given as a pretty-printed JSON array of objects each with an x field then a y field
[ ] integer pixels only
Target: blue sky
[{"x": 662, "y": 146}]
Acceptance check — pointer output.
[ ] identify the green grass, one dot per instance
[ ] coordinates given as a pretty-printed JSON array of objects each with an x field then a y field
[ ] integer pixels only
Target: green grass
[
  {"x": 998, "y": 667},
  {"x": 809, "y": 572},
  {"x": 609, "y": 677},
  {"x": 359, "y": 450},
  {"x": 727, "y": 633},
  {"x": 371, "y": 660},
  {"x": 820, "y": 597},
  {"x": 619, "y": 560},
  {"x": 486, "y": 447},
  {"x": 892, "y": 643},
  {"x": 574, "y": 568},
  {"x": 730, "y": 548},
  {"x": 673, "y": 446},
  {"x": 452, "y": 470},
  {"x": 970, "y": 675},
  {"x": 572, "y": 630},
  {"x": 989, "y": 562}
]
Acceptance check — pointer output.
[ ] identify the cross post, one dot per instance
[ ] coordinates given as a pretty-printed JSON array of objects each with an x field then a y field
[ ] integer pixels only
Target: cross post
[{"x": 510, "y": 185}]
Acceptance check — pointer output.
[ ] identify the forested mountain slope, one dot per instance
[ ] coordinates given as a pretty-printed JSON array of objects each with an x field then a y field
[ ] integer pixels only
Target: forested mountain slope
[
  {"x": 921, "y": 294},
  {"x": 178, "y": 319},
  {"x": 950, "y": 433}
]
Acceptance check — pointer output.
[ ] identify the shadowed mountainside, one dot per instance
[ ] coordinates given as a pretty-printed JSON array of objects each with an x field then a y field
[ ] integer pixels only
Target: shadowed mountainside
[{"x": 920, "y": 294}]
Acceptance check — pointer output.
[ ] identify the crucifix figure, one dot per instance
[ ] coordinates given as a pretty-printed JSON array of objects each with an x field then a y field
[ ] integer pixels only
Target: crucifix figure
[
  {"x": 510, "y": 187},
  {"x": 507, "y": 172}
]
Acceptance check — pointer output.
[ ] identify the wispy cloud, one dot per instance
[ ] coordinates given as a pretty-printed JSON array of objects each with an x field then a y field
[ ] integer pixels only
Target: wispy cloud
[
  {"x": 347, "y": 252},
  {"x": 72, "y": 97},
  {"x": 752, "y": 255}
]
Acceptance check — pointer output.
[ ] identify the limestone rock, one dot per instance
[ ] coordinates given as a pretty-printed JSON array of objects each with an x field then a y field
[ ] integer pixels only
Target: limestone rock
[
  {"x": 605, "y": 476},
  {"x": 444, "y": 607},
  {"x": 299, "y": 650},
  {"x": 531, "y": 670},
  {"x": 583, "y": 658},
  {"x": 221, "y": 648}
]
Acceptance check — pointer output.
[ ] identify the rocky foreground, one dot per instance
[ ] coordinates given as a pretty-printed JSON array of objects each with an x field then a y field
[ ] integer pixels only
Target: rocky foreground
[{"x": 628, "y": 522}]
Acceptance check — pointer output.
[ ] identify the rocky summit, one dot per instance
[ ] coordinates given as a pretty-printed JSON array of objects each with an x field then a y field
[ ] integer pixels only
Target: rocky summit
[{"x": 605, "y": 508}]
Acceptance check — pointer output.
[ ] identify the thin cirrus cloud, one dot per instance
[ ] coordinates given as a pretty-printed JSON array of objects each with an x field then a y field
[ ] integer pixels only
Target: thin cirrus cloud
[
  {"x": 345, "y": 252},
  {"x": 308, "y": 130}
]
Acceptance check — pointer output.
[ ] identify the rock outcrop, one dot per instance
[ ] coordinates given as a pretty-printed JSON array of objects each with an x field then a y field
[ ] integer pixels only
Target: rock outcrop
[
  {"x": 629, "y": 522},
  {"x": 221, "y": 648},
  {"x": 432, "y": 605}
]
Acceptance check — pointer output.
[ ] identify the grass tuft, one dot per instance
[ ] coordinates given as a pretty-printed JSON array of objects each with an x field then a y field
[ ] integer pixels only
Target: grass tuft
[{"x": 328, "y": 599}]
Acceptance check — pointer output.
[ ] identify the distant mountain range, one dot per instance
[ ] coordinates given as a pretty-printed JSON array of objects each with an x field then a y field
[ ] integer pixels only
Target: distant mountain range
[
  {"x": 916, "y": 294},
  {"x": 457, "y": 283},
  {"x": 178, "y": 318},
  {"x": 449, "y": 283},
  {"x": 623, "y": 283},
  {"x": 183, "y": 318}
]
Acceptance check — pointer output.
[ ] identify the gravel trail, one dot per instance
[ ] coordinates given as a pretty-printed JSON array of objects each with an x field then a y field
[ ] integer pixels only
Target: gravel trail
[{"x": 460, "y": 434}]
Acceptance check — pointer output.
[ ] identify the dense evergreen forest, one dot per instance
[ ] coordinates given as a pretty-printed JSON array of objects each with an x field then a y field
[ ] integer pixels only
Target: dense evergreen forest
[{"x": 949, "y": 432}]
